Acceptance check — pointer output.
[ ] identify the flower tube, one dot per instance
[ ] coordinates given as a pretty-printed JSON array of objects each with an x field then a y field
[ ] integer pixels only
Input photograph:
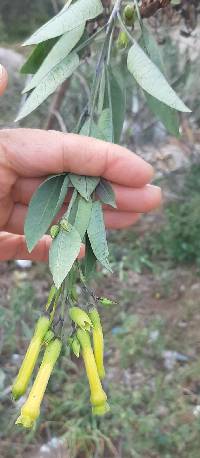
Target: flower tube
[
  {"x": 30, "y": 359},
  {"x": 98, "y": 342},
  {"x": 98, "y": 396},
  {"x": 30, "y": 411}
]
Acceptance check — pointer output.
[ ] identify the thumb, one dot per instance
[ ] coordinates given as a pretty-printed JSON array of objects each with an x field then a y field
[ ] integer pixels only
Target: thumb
[{"x": 3, "y": 79}]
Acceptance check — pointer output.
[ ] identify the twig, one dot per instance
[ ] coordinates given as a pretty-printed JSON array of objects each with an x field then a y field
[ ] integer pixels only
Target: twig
[{"x": 60, "y": 120}]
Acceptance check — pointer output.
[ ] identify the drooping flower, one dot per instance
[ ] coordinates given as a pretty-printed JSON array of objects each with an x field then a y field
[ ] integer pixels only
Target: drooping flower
[
  {"x": 98, "y": 341},
  {"x": 30, "y": 411},
  {"x": 98, "y": 397},
  {"x": 30, "y": 359}
]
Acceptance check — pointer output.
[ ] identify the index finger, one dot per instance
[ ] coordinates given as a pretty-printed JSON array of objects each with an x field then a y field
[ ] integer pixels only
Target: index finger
[{"x": 34, "y": 152}]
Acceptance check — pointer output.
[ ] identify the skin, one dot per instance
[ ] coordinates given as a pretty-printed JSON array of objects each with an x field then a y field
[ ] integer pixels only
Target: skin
[{"x": 28, "y": 156}]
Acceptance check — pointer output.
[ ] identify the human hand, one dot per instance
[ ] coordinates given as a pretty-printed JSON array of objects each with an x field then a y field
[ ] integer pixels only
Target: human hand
[{"x": 28, "y": 156}]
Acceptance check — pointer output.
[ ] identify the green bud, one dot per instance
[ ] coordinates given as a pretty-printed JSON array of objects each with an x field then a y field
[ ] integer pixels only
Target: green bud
[
  {"x": 54, "y": 231},
  {"x": 129, "y": 14},
  {"x": 76, "y": 346},
  {"x": 66, "y": 226},
  {"x": 106, "y": 301},
  {"x": 122, "y": 41}
]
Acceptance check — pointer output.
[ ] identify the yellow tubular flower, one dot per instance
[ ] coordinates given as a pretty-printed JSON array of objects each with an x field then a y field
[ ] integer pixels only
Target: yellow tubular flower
[
  {"x": 98, "y": 342},
  {"x": 80, "y": 317},
  {"x": 30, "y": 359},
  {"x": 30, "y": 411},
  {"x": 98, "y": 396}
]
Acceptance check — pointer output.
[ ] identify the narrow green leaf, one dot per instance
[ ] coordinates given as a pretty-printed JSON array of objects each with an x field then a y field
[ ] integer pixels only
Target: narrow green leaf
[
  {"x": 102, "y": 87},
  {"x": 105, "y": 125},
  {"x": 167, "y": 115},
  {"x": 61, "y": 50},
  {"x": 95, "y": 131},
  {"x": 68, "y": 19},
  {"x": 150, "y": 78},
  {"x": 106, "y": 194},
  {"x": 49, "y": 84},
  {"x": 85, "y": 185},
  {"x": 63, "y": 252},
  {"x": 116, "y": 102},
  {"x": 43, "y": 207},
  {"x": 89, "y": 261},
  {"x": 97, "y": 235},
  {"x": 37, "y": 57},
  {"x": 83, "y": 216}
]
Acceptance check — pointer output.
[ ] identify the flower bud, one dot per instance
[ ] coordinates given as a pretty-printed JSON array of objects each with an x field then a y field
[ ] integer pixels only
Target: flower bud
[
  {"x": 30, "y": 411},
  {"x": 54, "y": 231},
  {"x": 122, "y": 40},
  {"x": 129, "y": 14},
  {"x": 98, "y": 396},
  {"x": 98, "y": 342},
  {"x": 80, "y": 317},
  {"x": 30, "y": 359},
  {"x": 66, "y": 226}
]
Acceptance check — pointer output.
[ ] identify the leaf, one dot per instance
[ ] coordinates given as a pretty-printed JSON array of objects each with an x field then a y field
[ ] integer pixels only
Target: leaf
[
  {"x": 102, "y": 87},
  {"x": 116, "y": 102},
  {"x": 95, "y": 131},
  {"x": 106, "y": 194},
  {"x": 85, "y": 185},
  {"x": 150, "y": 78},
  {"x": 62, "y": 254},
  {"x": 167, "y": 115},
  {"x": 37, "y": 56},
  {"x": 49, "y": 84},
  {"x": 83, "y": 216},
  {"x": 43, "y": 207},
  {"x": 105, "y": 125},
  {"x": 68, "y": 19},
  {"x": 89, "y": 261},
  {"x": 61, "y": 50},
  {"x": 97, "y": 235}
]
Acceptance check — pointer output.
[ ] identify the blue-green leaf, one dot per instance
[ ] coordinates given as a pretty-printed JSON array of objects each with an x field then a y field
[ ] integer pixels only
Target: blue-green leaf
[
  {"x": 63, "y": 252},
  {"x": 43, "y": 207},
  {"x": 106, "y": 194},
  {"x": 150, "y": 78},
  {"x": 68, "y": 19},
  {"x": 38, "y": 55},
  {"x": 97, "y": 235},
  {"x": 167, "y": 115},
  {"x": 59, "y": 51},
  {"x": 85, "y": 185},
  {"x": 49, "y": 84},
  {"x": 83, "y": 216}
]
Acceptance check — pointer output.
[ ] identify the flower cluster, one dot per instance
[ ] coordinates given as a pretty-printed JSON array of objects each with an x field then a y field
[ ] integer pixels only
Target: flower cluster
[{"x": 80, "y": 343}]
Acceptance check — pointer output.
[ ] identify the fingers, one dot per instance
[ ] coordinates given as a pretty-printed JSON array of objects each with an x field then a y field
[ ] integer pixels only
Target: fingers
[
  {"x": 14, "y": 247},
  {"x": 128, "y": 199},
  {"x": 113, "y": 219},
  {"x": 32, "y": 152},
  {"x": 3, "y": 79}
]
